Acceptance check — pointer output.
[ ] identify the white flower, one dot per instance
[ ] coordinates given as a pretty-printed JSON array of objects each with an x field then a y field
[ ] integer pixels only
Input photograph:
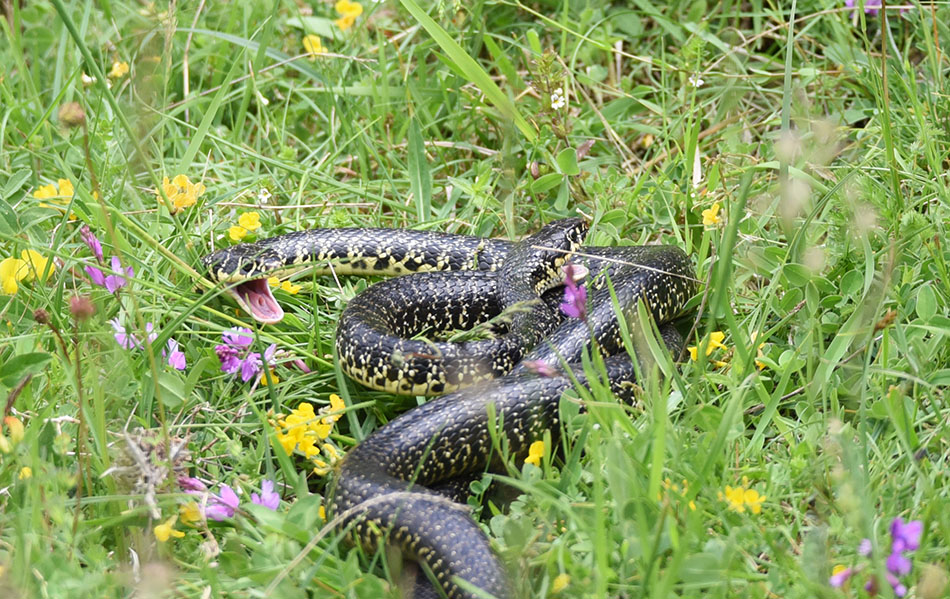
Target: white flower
[
  {"x": 264, "y": 195},
  {"x": 558, "y": 100},
  {"x": 696, "y": 81}
]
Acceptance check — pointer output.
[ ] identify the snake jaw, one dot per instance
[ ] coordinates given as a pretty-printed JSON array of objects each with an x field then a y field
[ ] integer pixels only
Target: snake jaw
[{"x": 255, "y": 297}]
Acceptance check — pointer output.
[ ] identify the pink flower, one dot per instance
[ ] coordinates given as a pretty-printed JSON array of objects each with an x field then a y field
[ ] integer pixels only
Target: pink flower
[
  {"x": 223, "y": 505},
  {"x": 116, "y": 281},
  {"x": 237, "y": 337},
  {"x": 176, "y": 357},
  {"x": 96, "y": 276},
  {"x": 268, "y": 498},
  {"x": 906, "y": 537},
  {"x": 838, "y": 580},
  {"x": 228, "y": 356},
  {"x": 190, "y": 484},
  {"x": 575, "y": 296},
  {"x": 91, "y": 242},
  {"x": 127, "y": 340},
  {"x": 541, "y": 368}
]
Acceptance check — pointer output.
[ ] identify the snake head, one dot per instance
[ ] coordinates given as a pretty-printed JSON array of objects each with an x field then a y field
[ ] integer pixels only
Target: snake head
[{"x": 244, "y": 269}]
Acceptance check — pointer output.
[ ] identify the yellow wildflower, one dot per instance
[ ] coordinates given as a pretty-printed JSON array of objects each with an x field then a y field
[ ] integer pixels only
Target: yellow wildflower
[
  {"x": 250, "y": 220},
  {"x": 36, "y": 265},
  {"x": 535, "y": 453},
  {"x": 715, "y": 342},
  {"x": 12, "y": 271},
  {"x": 305, "y": 431},
  {"x": 740, "y": 498},
  {"x": 45, "y": 192},
  {"x": 164, "y": 531},
  {"x": 190, "y": 513},
  {"x": 322, "y": 512},
  {"x": 236, "y": 233},
  {"x": 285, "y": 285},
  {"x": 758, "y": 354},
  {"x": 247, "y": 222},
  {"x": 711, "y": 215},
  {"x": 560, "y": 582},
  {"x": 348, "y": 12},
  {"x": 60, "y": 193},
  {"x": 25, "y": 473},
  {"x": 273, "y": 377},
  {"x": 119, "y": 69},
  {"x": 181, "y": 192},
  {"x": 14, "y": 428},
  {"x": 313, "y": 45}
]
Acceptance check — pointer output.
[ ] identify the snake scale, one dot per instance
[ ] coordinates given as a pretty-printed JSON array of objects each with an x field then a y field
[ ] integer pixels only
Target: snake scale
[{"x": 398, "y": 485}]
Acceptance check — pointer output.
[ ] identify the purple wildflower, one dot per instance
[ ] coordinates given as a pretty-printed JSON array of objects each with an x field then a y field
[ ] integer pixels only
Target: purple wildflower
[
  {"x": 864, "y": 547},
  {"x": 906, "y": 537},
  {"x": 575, "y": 296},
  {"x": 237, "y": 337},
  {"x": 89, "y": 238},
  {"x": 125, "y": 339},
  {"x": 223, "y": 505},
  {"x": 228, "y": 357},
  {"x": 838, "y": 580},
  {"x": 871, "y": 7},
  {"x": 268, "y": 497},
  {"x": 190, "y": 484},
  {"x": 121, "y": 336},
  {"x": 897, "y": 563},
  {"x": 176, "y": 357},
  {"x": 96, "y": 276},
  {"x": 116, "y": 281},
  {"x": 899, "y": 589},
  {"x": 250, "y": 366},
  {"x": 541, "y": 368},
  {"x": 301, "y": 365}
]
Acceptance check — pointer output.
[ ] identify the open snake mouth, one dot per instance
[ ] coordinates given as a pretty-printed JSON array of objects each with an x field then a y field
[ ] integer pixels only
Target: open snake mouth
[{"x": 254, "y": 295}]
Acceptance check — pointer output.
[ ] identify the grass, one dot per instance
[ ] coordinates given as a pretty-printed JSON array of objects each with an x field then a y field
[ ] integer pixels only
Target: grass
[{"x": 823, "y": 136}]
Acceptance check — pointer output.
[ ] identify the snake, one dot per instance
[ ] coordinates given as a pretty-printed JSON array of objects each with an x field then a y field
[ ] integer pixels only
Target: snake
[{"x": 402, "y": 484}]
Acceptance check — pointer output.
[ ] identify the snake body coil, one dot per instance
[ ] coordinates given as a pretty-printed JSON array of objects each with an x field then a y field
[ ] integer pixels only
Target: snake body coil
[{"x": 393, "y": 484}]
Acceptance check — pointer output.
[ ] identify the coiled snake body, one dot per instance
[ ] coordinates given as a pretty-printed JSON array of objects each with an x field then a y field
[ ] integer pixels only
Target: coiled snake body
[{"x": 398, "y": 482}]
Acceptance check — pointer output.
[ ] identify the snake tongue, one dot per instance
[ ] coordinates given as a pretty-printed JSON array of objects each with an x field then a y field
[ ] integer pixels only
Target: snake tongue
[{"x": 256, "y": 298}]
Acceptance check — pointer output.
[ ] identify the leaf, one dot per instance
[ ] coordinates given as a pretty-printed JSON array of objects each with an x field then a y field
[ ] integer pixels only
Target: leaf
[
  {"x": 420, "y": 176},
  {"x": 473, "y": 72},
  {"x": 546, "y": 182},
  {"x": 22, "y": 365},
  {"x": 321, "y": 26},
  {"x": 567, "y": 162},
  {"x": 15, "y": 182},
  {"x": 926, "y": 302}
]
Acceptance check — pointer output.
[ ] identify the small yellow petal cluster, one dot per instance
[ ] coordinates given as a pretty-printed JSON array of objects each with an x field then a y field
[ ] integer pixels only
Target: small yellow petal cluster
[
  {"x": 30, "y": 265},
  {"x": 247, "y": 222},
  {"x": 313, "y": 45},
  {"x": 119, "y": 69},
  {"x": 10, "y": 434},
  {"x": 285, "y": 285},
  {"x": 711, "y": 215},
  {"x": 348, "y": 12},
  {"x": 60, "y": 193},
  {"x": 535, "y": 453},
  {"x": 181, "y": 192},
  {"x": 671, "y": 488},
  {"x": 190, "y": 513},
  {"x": 25, "y": 473},
  {"x": 715, "y": 342},
  {"x": 758, "y": 353},
  {"x": 165, "y": 530},
  {"x": 560, "y": 582},
  {"x": 740, "y": 498},
  {"x": 306, "y": 431}
]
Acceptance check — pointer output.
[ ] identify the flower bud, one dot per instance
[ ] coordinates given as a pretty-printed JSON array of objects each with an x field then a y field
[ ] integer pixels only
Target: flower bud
[
  {"x": 41, "y": 316},
  {"x": 71, "y": 114},
  {"x": 81, "y": 307}
]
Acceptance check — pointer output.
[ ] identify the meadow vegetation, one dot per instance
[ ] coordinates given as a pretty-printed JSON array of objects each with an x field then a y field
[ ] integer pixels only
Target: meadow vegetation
[{"x": 156, "y": 442}]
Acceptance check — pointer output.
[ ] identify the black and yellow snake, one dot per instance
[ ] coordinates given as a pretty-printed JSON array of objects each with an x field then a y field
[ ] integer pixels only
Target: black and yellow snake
[{"x": 400, "y": 482}]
